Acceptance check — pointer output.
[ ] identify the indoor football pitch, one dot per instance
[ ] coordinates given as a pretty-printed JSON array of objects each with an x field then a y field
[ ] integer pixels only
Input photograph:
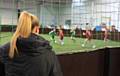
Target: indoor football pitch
[{"x": 69, "y": 46}]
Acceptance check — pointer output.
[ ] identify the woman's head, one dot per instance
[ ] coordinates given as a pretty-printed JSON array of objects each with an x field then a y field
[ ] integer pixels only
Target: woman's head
[
  {"x": 26, "y": 24},
  {"x": 35, "y": 24}
]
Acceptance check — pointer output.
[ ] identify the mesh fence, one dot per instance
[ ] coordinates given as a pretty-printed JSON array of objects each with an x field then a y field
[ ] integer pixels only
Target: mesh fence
[{"x": 68, "y": 13}]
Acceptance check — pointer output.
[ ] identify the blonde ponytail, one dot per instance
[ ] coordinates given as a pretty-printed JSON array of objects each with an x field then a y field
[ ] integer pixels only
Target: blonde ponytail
[{"x": 23, "y": 30}]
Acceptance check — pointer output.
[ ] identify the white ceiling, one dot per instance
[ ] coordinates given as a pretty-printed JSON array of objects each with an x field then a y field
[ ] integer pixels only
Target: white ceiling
[{"x": 56, "y": 1}]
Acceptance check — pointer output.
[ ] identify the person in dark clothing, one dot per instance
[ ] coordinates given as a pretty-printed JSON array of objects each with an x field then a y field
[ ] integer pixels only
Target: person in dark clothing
[{"x": 29, "y": 54}]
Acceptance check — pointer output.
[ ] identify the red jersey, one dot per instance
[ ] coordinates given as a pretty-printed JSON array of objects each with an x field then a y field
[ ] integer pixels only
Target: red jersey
[
  {"x": 61, "y": 34},
  {"x": 88, "y": 34},
  {"x": 106, "y": 33}
]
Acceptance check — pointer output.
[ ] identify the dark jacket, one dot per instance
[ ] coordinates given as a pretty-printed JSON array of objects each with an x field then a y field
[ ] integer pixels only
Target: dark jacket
[{"x": 34, "y": 58}]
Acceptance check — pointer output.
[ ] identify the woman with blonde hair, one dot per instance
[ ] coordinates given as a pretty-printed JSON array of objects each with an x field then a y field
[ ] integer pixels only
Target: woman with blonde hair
[{"x": 28, "y": 54}]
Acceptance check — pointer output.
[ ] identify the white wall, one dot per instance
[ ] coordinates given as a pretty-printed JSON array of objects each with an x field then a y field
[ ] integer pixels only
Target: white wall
[
  {"x": 48, "y": 15},
  {"x": 8, "y": 12},
  {"x": 64, "y": 14},
  {"x": 57, "y": 15},
  {"x": 110, "y": 7}
]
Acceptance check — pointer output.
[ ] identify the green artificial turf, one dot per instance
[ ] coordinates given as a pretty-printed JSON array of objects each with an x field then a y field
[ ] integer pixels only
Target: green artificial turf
[{"x": 69, "y": 45}]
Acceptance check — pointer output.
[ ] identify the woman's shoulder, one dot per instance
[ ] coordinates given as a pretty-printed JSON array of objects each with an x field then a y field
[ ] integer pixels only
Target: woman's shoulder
[
  {"x": 5, "y": 46},
  {"x": 4, "y": 49}
]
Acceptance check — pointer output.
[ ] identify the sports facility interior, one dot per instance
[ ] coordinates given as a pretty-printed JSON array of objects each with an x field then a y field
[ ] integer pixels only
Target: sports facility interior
[{"x": 78, "y": 54}]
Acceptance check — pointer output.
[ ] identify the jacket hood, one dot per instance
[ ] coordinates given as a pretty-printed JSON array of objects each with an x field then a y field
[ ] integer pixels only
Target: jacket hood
[{"x": 33, "y": 45}]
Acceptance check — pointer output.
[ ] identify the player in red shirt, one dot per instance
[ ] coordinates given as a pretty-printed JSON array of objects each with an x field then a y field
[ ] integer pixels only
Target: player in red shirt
[
  {"x": 105, "y": 29},
  {"x": 61, "y": 35},
  {"x": 88, "y": 35}
]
